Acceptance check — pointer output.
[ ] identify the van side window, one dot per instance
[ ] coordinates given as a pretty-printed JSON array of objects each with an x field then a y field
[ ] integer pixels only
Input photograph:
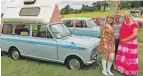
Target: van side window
[
  {"x": 22, "y": 30},
  {"x": 40, "y": 31},
  {"x": 7, "y": 29},
  {"x": 68, "y": 23},
  {"x": 80, "y": 24}
]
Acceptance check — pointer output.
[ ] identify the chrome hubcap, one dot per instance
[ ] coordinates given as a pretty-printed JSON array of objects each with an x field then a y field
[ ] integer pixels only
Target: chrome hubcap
[
  {"x": 15, "y": 54},
  {"x": 74, "y": 64}
]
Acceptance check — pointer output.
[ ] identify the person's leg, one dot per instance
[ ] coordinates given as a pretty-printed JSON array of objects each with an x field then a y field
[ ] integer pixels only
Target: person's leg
[
  {"x": 109, "y": 63},
  {"x": 104, "y": 64},
  {"x": 116, "y": 45}
]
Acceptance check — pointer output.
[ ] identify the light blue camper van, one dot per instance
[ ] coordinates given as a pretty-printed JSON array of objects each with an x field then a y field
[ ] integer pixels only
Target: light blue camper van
[
  {"x": 28, "y": 32},
  {"x": 82, "y": 26}
]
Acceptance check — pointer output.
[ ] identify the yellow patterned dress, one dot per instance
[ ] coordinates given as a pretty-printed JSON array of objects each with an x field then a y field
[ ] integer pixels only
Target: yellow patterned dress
[{"x": 107, "y": 43}]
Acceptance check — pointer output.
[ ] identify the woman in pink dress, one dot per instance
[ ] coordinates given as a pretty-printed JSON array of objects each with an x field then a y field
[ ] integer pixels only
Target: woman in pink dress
[{"x": 126, "y": 61}]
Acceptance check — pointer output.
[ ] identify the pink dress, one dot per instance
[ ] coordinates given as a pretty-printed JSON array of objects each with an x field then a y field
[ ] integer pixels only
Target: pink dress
[{"x": 126, "y": 60}]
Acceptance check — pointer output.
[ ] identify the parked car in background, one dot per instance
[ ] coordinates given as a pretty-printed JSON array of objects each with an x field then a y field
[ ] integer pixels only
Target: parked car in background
[
  {"x": 82, "y": 26},
  {"x": 139, "y": 20},
  {"x": 99, "y": 20},
  {"x": 136, "y": 17}
]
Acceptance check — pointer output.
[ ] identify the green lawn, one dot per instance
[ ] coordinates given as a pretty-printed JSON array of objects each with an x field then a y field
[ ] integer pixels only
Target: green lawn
[
  {"x": 30, "y": 67},
  {"x": 92, "y": 14}
]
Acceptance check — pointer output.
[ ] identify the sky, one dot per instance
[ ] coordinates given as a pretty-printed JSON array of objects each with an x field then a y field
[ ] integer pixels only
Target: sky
[{"x": 74, "y": 4}]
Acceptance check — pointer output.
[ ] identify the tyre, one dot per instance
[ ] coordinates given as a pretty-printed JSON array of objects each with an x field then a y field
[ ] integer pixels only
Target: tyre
[
  {"x": 15, "y": 54},
  {"x": 2, "y": 54},
  {"x": 75, "y": 63}
]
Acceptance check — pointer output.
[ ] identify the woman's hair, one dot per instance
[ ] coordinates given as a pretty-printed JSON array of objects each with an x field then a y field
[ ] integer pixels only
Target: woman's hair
[
  {"x": 128, "y": 14},
  {"x": 110, "y": 16}
]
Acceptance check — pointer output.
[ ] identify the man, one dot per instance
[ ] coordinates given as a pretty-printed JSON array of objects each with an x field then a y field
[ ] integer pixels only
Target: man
[{"x": 117, "y": 26}]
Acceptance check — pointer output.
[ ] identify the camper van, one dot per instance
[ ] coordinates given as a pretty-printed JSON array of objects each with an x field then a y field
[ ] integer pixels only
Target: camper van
[{"x": 33, "y": 34}]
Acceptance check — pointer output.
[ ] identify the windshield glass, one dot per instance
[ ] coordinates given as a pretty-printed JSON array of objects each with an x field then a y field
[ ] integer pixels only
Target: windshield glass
[
  {"x": 91, "y": 23},
  {"x": 60, "y": 30}
]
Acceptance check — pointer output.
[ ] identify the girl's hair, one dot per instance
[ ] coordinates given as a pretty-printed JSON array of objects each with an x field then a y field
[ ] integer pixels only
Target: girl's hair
[{"x": 110, "y": 16}]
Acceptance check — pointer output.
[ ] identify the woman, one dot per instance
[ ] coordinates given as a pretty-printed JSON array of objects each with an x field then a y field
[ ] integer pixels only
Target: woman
[
  {"x": 107, "y": 44},
  {"x": 127, "y": 57}
]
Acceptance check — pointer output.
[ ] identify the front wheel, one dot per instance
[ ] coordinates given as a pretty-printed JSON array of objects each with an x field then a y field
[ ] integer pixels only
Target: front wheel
[
  {"x": 75, "y": 63},
  {"x": 15, "y": 54}
]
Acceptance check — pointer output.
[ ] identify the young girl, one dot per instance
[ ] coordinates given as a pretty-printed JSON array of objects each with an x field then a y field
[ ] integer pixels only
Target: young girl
[{"x": 107, "y": 44}]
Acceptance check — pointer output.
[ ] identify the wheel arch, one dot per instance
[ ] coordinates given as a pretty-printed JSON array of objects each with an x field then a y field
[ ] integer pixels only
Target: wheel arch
[
  {"x": 71, "y": 55},
  {"x": 11, "y": 47}
]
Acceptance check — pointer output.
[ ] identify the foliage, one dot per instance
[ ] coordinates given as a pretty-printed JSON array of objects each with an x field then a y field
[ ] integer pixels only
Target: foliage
[{"x": 101, "y": 6}]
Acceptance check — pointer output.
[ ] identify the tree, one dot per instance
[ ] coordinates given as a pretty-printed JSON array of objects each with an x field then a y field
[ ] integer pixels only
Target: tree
[
  {"x": 86, "y": 8},
  {"x": 105, "y": 4},
  {"x": 94, "y": 6},
  {"x": 136, "y": 4},
  {"x": 98, "y": 5},
  {"x": 66, "y": 10}
]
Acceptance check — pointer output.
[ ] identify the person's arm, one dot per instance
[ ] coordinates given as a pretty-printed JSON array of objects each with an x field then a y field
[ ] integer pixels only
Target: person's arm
[
  {"x": 109, "y": 29},
  {"x": 135, "y": 32},
  {"x": 102, "y": 33}
]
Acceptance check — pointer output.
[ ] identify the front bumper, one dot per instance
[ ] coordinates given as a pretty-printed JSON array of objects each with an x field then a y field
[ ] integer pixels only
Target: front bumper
[{"x": 91, "y": 61}]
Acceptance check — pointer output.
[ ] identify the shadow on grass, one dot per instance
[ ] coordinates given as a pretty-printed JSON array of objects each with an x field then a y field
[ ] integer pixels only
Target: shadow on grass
[
  {"x": 38, "y": 61},
  {"x": 95, "y": 65}
]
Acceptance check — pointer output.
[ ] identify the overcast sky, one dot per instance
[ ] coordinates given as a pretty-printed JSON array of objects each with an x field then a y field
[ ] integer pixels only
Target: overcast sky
[{"x": 74, "y": 4}]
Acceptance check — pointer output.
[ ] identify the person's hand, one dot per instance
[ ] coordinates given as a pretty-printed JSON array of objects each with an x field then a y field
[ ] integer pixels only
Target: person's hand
[
  {"x": 123, "y": 40},
  {"x": 105, "y": 46}
]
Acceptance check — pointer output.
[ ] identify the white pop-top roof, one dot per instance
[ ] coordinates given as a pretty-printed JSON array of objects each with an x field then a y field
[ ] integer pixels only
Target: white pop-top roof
[
  {"x": 12, "y": 14},
  {"x": 20, "y": 3}
]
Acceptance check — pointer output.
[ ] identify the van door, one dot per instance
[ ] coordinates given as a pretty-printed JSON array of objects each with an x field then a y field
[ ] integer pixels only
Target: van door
[{"x": 42, "y": 44}]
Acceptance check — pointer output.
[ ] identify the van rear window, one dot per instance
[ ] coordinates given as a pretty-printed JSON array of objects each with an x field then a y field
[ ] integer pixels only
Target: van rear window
[{"x": 34, "y": 11}]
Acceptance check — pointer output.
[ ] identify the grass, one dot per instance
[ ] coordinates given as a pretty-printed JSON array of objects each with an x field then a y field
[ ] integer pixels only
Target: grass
[
  {"x": 30, "y": 67},
  {"x": 92, "y": 14}
]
